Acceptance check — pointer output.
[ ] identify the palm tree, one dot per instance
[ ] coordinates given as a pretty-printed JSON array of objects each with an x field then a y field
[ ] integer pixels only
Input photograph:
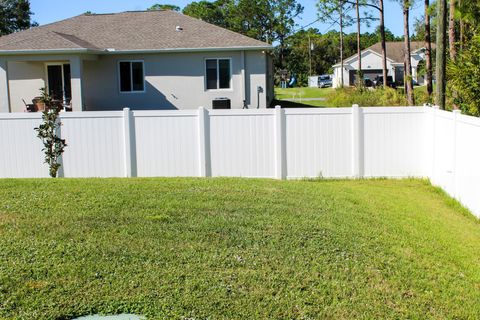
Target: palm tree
[
  {"x": 384, "y": 50},
  {"x": 441, "y": 52},
  {"x": 428, "y": 49},
  {"x": 359, "y": 48},
  {"x": 408, "y": 61},
  {"x": 451, "y": 31}
]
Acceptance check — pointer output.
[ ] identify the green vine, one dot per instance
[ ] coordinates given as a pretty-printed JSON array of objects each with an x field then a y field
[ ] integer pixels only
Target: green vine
[{"x": 47, "y": 132}]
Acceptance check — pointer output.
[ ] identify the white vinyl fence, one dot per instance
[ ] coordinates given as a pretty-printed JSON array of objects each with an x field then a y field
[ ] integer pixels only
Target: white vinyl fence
[{"x": 270, "y": 143}]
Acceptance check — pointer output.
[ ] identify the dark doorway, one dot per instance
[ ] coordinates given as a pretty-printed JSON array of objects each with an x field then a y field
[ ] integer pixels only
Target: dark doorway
[
  {"x": 59, "y": 85},
  {"x": 369, "y": 73}
]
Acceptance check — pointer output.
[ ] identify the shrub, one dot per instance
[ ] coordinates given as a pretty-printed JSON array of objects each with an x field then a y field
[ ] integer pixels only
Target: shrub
[
  {"x": 464, "y": 78},
  {"x": 47, "y": 132},
  {"x": 346, "y": 97}
]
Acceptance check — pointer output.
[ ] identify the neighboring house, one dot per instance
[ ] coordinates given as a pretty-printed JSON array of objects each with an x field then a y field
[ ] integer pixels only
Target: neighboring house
[
  {"x": 372, "y": 63},
  {"x": 141, "y": 60}
]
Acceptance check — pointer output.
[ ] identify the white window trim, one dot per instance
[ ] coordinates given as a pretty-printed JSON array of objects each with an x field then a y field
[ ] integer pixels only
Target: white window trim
[
  {"x": 218, "y": 75},
  {"x": 131, "y": 77}
]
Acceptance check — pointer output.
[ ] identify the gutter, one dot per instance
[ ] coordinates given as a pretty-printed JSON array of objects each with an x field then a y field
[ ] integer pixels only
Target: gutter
[
  {"x": 144, "y": 51},
  {"x": 48, "y": 51}
]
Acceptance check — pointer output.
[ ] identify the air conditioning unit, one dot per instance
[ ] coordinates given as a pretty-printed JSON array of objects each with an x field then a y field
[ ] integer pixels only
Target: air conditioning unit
[{"x": 221, "y": 103}]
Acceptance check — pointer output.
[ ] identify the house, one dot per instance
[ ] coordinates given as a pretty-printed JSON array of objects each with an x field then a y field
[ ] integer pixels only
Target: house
[
  {"x": 141, "y": 60},
  {"x": 372, "y": 63}
]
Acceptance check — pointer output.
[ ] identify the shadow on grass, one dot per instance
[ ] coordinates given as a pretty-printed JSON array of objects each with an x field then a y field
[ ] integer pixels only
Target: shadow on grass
[{"x": 292, "y": 104}]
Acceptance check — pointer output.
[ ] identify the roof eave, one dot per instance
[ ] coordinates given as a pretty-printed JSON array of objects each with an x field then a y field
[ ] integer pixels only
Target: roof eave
[
  {"x": 47, "y": 51},
  {"x": 207, "y": 49},
  {"x": 146, "y": 51}
]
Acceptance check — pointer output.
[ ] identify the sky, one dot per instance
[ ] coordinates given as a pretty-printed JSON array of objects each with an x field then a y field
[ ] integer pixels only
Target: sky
[{"x": 47, "y": 11}]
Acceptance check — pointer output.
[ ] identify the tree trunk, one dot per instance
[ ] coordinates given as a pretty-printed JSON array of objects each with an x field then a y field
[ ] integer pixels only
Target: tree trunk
[
  {"x": 462, "y": 33},
  {"x": 462, "y": 27},
  {"x": 310, "y": 54},
  {"x": 384, "y": 50},
  {"x": 359, "y": 50},
  {"x": 341, "y": 45},
  {"x": 441, "y": 52},
  {"x": 451, "y": 31},
  {"x": 408, "y": 61},
  {"x": 428, "y": 50}
]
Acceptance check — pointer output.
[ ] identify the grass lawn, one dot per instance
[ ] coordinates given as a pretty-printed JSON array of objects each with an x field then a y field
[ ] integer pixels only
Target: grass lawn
[
  {"x": 296, "y": 93},
  {"x": 327, "y": 95},
  {"x": 236, "y": 248}
]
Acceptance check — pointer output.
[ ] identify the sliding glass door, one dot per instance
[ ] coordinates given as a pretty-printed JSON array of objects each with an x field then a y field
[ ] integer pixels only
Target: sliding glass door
[{"x": 58, "y": 82}]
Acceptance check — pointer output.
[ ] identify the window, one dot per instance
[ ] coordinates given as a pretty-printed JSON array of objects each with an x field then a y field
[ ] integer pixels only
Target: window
[
  {"x": 218, "y": 74},
  {"x": 132, "y": 77}
]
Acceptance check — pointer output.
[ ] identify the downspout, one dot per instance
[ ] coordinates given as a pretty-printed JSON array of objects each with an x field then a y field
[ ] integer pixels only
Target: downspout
[{"x": 244, "y": 80}]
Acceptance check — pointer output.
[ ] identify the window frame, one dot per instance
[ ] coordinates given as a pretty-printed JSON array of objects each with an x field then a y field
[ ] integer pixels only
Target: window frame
[
  {"x": 230, "y": 83},
  {"x": 131, "y": 77}
]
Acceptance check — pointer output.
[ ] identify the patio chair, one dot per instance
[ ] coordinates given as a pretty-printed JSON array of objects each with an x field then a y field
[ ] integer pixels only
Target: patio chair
[{"x": 29, "y": 107}]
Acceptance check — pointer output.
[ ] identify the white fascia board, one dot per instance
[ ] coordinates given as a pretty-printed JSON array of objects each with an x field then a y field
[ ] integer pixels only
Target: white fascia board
[{"x": 141, "y": 51}]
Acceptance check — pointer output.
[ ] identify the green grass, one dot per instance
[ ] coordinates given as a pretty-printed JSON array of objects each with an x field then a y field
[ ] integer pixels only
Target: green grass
[
  {"x": 291, "y": 93},
  {"x": 335, "y": 98},
  {"x": 236, "y": 248}
]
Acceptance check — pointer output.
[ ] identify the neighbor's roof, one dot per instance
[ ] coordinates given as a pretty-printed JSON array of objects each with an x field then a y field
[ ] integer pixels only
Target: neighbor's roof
[
  {"x": 126, "y": 32},
  {"x": 395, "y": 50}
]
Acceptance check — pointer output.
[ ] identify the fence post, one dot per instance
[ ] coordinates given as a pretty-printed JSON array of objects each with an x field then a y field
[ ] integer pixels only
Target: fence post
[
  {"x": 127, "y": 139},
  {"x": 204, "y": 143},
  {"x": 456, "y": 113},
  {"x": 434, "y": 141},
  {"x": 280, "y": 143},
  {"x": 357, "y": 142}
]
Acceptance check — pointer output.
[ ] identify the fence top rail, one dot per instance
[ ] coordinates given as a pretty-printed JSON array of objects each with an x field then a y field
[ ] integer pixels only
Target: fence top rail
[
  {"x": 317, "y": 111},
  {"x": 91, "y": 114},
  {"x": 164, "y": 113},
  {"x": 20, "y": 115},
  {"x": 469, "y": 120},
  {"x": 241, "y": 112},
  {"x": 387, "y": 109}
]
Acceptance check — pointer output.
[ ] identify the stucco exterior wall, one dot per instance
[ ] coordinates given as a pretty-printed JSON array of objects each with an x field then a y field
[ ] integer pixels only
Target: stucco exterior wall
[
  {"x": 173, "y": 81},
  {"x": 25, "y": 81}
]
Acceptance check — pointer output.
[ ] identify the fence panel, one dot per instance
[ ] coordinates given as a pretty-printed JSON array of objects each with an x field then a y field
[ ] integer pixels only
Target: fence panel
[
  {"x": 242, "y": 143},
  {"x": 444, "y": 145},
  {"x": 95, "y": 145},
  {"x": 318, "y": 143},
  {"x": 394, "y": 142},
  {"x": 288, "y": 143},
  {"x": 166, "y": 143},
  {"x": 21, "y": 155},
  {"x": 467, "y": 163}
]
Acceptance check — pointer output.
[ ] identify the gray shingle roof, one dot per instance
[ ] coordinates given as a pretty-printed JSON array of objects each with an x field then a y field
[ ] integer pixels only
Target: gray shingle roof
[
  {"x": 396, "y": 49},
  {"x": 128, "y": 31}
]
